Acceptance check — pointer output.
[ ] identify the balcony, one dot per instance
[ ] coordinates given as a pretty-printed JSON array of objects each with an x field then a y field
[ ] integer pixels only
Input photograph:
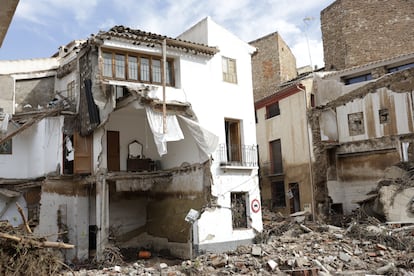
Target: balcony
[
  {"x": 268, "y": 169},
  {"x": 237, "y": 156}
]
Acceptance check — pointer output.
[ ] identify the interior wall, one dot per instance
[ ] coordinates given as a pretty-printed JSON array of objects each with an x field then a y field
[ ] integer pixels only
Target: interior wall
[
  {"x": 358, "y": 175},
  {"x": 166, "y": 217},
  {"x": 127, "y": 212},
  {"x": 133, "y": 125},
  {"x": 36, "y": 151},
  {"x": 73, "y": 202}
]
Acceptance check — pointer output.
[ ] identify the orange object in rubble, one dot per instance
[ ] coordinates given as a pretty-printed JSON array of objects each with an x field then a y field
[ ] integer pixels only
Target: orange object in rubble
[{"x": 144, "y": 254}]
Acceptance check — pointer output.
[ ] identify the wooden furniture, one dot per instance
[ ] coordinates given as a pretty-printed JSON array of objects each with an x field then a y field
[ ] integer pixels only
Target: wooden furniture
[
  {"x": 136, "y": 161},
  {"x": 139, "y": 165}
]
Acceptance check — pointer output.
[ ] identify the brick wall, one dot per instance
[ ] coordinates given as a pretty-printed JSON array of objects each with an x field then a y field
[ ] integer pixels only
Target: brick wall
[
  {"x": 272, "y": 64},
  {"x": 358, "y": 32}
]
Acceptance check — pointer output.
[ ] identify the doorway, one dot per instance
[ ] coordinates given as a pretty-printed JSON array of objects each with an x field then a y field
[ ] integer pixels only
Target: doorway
[
  {"x": 294, "y": 198},
  {"x": 112, "y": 150}
]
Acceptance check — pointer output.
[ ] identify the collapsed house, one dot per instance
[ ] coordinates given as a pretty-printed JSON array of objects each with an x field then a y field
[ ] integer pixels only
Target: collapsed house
[
  {"x": 134, "y": 139},
  {"x": 365, "y": 118}
]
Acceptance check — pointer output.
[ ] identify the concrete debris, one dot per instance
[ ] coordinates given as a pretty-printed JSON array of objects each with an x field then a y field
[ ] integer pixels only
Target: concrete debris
[
  {"x": 256, "y": 250},
  {"x": 393, "y": 198},
  {"x": 287, "y": 248}
]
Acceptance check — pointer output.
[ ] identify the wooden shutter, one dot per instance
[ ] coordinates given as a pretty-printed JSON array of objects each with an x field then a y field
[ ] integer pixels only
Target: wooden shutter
[{"x": 83, "y": 154}]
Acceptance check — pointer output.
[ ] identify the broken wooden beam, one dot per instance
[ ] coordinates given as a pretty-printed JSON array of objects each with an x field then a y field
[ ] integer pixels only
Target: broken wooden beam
[
  {"x": 29, "y": 123},
  {"x": 41, "y": 244},
  {"x": 26, "y": 225}
]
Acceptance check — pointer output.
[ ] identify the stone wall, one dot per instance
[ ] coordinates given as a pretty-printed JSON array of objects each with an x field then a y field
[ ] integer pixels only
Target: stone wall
[
  {"x": 272, "y": 64},
  {"x": 358, "y": 32}
]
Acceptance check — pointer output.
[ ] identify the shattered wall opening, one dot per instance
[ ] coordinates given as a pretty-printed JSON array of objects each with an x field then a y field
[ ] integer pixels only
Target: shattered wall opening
[
  {"x": 161, "y": 204},
  {"x": 239, "y": 210},
  {"x": 356, "y": 123},
  {"x": 32, "y": 197}
]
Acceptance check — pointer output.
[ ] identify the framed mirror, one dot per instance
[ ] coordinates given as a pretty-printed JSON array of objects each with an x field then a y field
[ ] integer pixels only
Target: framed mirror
[{"x": 135, "y": 150}]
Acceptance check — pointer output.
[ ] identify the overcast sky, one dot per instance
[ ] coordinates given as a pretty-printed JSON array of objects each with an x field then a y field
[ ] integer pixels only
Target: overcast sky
[{"x": 39, "y": 27}]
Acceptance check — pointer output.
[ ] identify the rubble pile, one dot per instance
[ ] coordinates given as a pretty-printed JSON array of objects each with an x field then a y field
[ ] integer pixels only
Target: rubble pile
[
  {"x": 23, "y": 253},
  {"x": 295, "y": 246},
  {"x": 393, "y": 198}
]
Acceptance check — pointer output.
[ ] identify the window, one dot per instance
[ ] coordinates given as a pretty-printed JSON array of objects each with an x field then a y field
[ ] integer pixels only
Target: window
[
  {"x": 312, "y": 100},
  {"x": 145, "y": 69},
  {"x": 107, "y": 64},
  {"x": 233, "y": 141},
  {"x": 71, "y": 90},
  {"x": 356, "y": 123},
  {"x": 239, "y": 210},
  {"x": 361, "y": 78},
  {"x": 132, "y": 68},
  {"x": 6, "y": 147},
  {"x": 272, "y": 110},
  {"x": 170, "y": 72},
  {"x": 401, "y": 67},
  {"x": 276, "y": 157},
  {"x": 278, "y": 194},
  {"x": 383, "y": 116},
  {"x": 135, "y": 67},
  {"x": 156, "y": 70},
  {"x": 229, "y": 70},
  {"x": 120, "y": 66}
]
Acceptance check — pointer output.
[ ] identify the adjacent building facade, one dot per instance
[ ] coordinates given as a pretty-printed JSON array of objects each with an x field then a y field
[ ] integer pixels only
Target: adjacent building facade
[
  {"x": 284, "y": 149},
  {"x": 355, "y": 33},
  {"x": 134, "y": 139},
  {"x": 282, "y": 101},
  {"x": 273, "y": 64}
]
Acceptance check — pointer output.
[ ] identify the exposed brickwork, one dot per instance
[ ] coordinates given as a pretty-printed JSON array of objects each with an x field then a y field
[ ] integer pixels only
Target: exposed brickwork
[
  {"x": 358, "y": 32},
  {"x": 272, "y": 65}
]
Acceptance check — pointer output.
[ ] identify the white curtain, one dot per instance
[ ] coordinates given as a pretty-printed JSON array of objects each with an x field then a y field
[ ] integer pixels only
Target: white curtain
[
  {"x": 206, "y": 141},
  {"x": 173, "y": 130}
]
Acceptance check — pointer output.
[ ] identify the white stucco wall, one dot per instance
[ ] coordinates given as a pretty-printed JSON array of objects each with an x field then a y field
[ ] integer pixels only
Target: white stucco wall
[
  {"x": 76, "y": 218},
  {"x": 36, "y": 151},
  {"x": 214, "y": 100},
  {"x": 28, "y": 65},
  {"x": 398, "y": 104}
]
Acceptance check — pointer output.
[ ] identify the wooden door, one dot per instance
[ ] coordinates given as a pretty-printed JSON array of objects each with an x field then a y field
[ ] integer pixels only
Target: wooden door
[
  {"x": 112, "y": 151},
  {"x": 233, "y": 140},
  {"x": 82, "y": 163}
]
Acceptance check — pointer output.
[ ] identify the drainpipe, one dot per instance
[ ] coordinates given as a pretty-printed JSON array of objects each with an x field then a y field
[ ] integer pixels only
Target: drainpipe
[
  {"x": 164, "y": 73},
  {"x": 299, "y": 86}
]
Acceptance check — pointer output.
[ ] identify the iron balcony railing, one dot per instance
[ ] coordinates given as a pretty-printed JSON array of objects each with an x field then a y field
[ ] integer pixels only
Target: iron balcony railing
[
  {"x": 237, "y": 155},
  {"x": 267, "y": 168}
]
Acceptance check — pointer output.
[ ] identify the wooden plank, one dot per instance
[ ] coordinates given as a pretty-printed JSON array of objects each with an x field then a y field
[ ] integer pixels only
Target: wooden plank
[{"x": 29, "y": 123}]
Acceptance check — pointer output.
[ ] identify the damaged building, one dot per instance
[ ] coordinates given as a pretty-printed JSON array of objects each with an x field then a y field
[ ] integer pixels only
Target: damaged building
[
  {"x": 366, "y": 126},
  {"x": 134, "y": 139},
  {"x": 282, "y": 100},
  {"x": 363, "y": 120},
  {"x": 327, "y": 136}
]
